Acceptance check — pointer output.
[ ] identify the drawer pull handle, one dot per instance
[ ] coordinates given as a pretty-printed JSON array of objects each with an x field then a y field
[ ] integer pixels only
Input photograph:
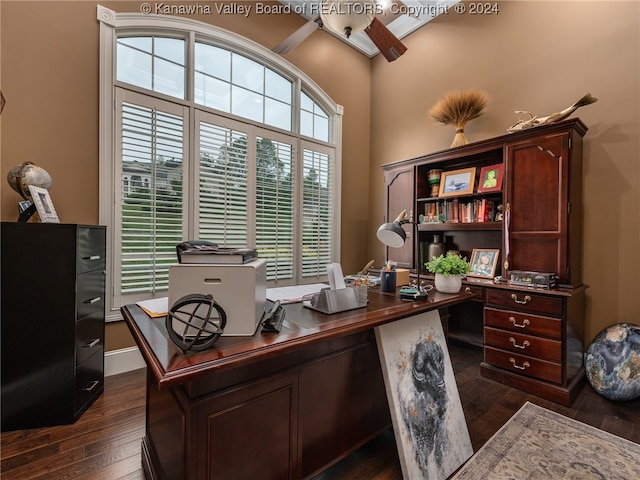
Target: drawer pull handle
[
  {"x": 91, "y": 301},
  {"x": 91, "y": 385},
  {"x": 92, "y": 257},
  {"x": 524, "y": 345},
  {"x": 91, "y": 343},
  {"x": 467, "y": 290},
  {"x": 524, "y": 324},
  {"x": 527, "y": 299},
  {"x": 524, "y": 366}
]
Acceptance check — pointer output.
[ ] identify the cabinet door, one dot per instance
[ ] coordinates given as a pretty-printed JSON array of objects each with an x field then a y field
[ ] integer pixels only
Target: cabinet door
[
  {"x": 399, "y": 186},
  {"x": 536, "y": 233},
  {"x": 249, "y": 432}
]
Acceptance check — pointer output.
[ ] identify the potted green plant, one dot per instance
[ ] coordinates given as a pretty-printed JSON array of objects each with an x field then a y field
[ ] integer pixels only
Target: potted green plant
[{"x": 449, "y": 269}]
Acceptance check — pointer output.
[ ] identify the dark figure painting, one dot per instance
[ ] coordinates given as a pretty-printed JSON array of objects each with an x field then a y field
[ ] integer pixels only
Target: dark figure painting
[
  {"x": 425, "y": 410},
  {"x": 428, "y": 421}
]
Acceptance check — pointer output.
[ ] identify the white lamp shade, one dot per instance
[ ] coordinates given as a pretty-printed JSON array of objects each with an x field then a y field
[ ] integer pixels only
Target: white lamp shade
[
  {"x": 337, "y": 15},
  {"x": 392, "y": 235}
]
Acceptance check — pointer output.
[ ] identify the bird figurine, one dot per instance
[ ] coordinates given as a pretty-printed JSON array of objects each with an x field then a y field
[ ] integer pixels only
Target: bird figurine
[{"x": 534, "y": 121}]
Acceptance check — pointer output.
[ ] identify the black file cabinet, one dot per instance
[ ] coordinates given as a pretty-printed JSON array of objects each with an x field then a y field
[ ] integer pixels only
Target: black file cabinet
[{"x": 52, "y": 312}]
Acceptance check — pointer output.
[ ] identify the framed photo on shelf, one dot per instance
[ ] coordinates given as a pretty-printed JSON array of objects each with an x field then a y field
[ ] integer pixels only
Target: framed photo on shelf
[
  {"x": 491, "y": 178},
  {"x": 43, "y": 204},
  {"x": 457, "y": 182},
  {"x": 483, "y": 262}
]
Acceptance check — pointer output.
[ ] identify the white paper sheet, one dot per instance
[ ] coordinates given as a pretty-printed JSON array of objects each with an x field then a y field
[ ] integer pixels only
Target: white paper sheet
[
  {"x": 336, "y": 277},
  {"x": 294, "y": 293}
]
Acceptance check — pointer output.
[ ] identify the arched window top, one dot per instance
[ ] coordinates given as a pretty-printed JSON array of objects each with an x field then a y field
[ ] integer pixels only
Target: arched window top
[{"x": 217, "y": 69}]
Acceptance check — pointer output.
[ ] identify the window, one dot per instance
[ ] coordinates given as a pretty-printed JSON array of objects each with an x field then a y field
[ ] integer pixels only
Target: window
[
  {"x": 314, "y": 122},
  {"x": 151, "y": 204},
  {"x": 154, "y": 63},
  {"x": 318, "y": 211},
  {"x": 233, "y": 83},
  {"x": 216, "y": 138},
  {"x": 223, "y": 185},
  {"x": 274, "y": 223}
]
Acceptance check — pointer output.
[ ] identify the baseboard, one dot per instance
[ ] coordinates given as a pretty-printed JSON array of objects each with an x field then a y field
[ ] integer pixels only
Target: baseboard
[{"x": 122, "y": 360}]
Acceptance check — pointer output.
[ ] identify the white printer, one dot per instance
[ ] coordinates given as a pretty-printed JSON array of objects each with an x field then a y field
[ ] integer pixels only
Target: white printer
[{"x": 239, "y": 289}]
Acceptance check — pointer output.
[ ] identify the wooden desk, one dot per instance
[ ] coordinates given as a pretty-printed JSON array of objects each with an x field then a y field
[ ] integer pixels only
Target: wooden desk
[{"x": 270, "y": 406}]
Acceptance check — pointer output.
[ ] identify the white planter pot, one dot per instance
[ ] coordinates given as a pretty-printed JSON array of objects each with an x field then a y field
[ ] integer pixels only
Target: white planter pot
[{"x": 448, "y": 283}]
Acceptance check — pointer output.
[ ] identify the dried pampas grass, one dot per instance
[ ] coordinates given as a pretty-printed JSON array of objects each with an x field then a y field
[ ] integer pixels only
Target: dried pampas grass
[{"x": 457, "y": 109}]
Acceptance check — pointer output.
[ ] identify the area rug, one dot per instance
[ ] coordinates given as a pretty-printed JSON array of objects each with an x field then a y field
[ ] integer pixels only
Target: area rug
[{"x": 537, "y": 443}]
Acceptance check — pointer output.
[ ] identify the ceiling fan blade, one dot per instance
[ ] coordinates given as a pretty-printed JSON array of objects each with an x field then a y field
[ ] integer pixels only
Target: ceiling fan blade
[
  {"x": 297, "y": 37},
  {"x": 387, "y": 42}
]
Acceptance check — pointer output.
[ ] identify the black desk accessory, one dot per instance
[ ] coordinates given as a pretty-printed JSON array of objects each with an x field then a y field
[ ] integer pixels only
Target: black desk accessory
[
  {"x": 393, "y": 235},
  {"x": 272, "y": 319},
  {"x": 413, "y": 293},
  {"x": 192, "y": 315}
]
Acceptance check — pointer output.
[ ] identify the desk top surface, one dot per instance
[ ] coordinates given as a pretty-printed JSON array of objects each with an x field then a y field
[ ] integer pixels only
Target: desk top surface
[{"x": 301, "y": 328}]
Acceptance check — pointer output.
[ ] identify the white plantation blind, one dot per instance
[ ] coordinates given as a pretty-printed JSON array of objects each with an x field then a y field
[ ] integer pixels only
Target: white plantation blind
[
  {"x": 223, "y": 185},
  {"x": 151, "y": 205},
  {"x": 317, "y": 212},
  {"x": 274, "y": 225}
]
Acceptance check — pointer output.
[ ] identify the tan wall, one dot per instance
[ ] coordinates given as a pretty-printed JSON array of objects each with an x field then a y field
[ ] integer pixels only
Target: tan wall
[
  {"x": 540, "y": 57},
  {"x": 50, "y": 54}
]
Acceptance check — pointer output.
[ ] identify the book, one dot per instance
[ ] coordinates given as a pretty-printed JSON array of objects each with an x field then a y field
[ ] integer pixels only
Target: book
[{"x": 213, "y": 254}]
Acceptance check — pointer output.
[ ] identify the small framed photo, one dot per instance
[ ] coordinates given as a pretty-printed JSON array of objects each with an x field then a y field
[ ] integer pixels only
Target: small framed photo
[
  {"x": 24, "y": 205},
  {"x": 491, "y": 178},
  {"x": 483, "y": 262},
  {"x": 457, "y": 182},
  {"x": 44, "y": 205}
]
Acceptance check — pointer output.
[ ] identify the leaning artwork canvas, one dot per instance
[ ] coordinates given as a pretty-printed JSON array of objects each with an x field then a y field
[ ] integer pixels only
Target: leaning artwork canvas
[{"x": 428, "y": 421}]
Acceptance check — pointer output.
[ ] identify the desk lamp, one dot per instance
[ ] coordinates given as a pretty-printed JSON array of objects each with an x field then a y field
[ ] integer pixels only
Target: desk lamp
[{"x": 393, "y": 235}]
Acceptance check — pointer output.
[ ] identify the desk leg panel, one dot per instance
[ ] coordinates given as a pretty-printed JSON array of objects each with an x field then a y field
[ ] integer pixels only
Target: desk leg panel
[
  {"x": 342, "y": 405},
  {"x": 166, "y": 438}
]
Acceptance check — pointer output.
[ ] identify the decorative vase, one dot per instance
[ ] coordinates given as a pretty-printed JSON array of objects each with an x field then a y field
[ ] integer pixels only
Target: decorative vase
[
  {"x": 435, "y": 248},
  {"x": 448, "y": 283},
  {"x": 434, "y": 180}
]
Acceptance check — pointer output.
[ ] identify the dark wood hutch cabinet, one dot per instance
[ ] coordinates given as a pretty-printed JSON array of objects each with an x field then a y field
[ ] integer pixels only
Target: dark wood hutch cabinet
[{"x": 532, "y": 338}]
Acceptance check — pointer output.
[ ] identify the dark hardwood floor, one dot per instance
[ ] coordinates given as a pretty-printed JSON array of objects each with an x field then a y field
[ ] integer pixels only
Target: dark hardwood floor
[{"x": 104, "y": 443}]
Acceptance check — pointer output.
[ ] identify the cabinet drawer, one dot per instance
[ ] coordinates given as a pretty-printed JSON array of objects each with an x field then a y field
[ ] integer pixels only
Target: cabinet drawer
[
  {"x": 90, "y": 295},
  {"x": 524, "y": 300},
  {"x": 478, "y": 292},
  {"x": 523, "y": 323},
  {"x": 91, "y": 249},
  {"x": 524, "y": 365},
  {"x": 524, "y": 344},
  {"x": 89, "y": 336},
  {"x": 89, "y": 379}
]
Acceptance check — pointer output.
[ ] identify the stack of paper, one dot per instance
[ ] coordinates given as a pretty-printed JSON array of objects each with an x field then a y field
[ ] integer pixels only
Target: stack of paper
[{"x": 155, "y": 307}]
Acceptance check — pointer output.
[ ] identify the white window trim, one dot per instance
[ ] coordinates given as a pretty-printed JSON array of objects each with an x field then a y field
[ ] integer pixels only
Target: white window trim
[{"x": 110, "y": 22}]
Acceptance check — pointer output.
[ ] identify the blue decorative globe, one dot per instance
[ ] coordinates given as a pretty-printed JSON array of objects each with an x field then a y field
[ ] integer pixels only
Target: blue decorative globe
[{"x": 613, "y": 362}]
